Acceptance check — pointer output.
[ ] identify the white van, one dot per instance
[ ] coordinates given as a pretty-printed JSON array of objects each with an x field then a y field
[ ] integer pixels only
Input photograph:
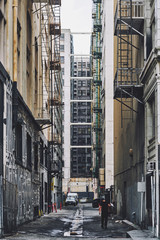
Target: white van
[{"x": 75, "y": 195}]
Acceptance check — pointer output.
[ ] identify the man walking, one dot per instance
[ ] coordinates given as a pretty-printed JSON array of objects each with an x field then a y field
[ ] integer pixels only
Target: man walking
[{"x": 104, "y": 213}]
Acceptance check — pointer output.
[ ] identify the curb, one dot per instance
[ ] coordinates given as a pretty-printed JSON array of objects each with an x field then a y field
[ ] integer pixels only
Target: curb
[{"x": 131, "y": 224}]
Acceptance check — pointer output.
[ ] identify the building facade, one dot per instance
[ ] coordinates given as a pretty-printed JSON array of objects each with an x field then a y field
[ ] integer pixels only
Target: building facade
[
  {"x": 137, "y": 91},
  {"x": 107, "y": 95},
  {"x": 129, "y": 111},
  {"x": 77, "y": 119},
  {"x": 81, "y": 128},
  {"x": 66, "y": 49},
  {"x": 102, "y": 70},
  {"x": 150, "y": 79},
  {"x": 28, "y": 30}
]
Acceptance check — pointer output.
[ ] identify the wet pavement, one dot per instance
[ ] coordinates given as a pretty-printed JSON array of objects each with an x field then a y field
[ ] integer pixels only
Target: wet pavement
[{"x": 71, "y": 222}]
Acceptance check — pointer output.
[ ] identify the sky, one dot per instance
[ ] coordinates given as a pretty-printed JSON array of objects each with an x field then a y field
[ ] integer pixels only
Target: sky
[{"x": 77, "y": 16}]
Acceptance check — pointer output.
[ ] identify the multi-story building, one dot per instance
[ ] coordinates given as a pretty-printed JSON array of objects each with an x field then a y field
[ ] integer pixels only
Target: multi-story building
[
  {"x": 97, "y": 166},
  {"x": 102, "y": 69},
  {"x": 107, "y": 70},
  {"x": 77, "y": 119},
  {"x": 29, "y": 78},
  {"x": 81, "y": 128},
  {"x": 137, "y": 113},
  {"x": 66, "y": 48},
  {"x": 149, "y": 77},
  {"x": 129, "y": 110}
]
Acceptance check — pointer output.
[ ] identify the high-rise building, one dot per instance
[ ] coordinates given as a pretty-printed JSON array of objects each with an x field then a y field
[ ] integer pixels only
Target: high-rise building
[
  {"x": 66, "y": 48},
  {"x": 30, "y": 111},
  {"x": 77, "y": 136},
  {"x": 136, "y": 89},
  {"x": 81, "y": 127}
]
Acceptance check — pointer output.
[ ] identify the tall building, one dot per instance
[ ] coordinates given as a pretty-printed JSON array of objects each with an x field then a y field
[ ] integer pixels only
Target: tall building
[
  {"x": 77, "y": 140},
  {"x": 97, "y": 169},
  {"x": 129, "y": 111},
  {"x": 30, "y": 114},
  {"x": 136, "y": 87},
  {"x": 149, "y": 77},
  {"x": 107, "y": 71},
  {"x": 66, "y": 48},
  {"x": 81, "y": 128}
]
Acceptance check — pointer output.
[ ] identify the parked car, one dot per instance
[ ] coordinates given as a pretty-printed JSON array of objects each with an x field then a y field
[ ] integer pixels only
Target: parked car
[
  {"x": 84, "y": 200},
  {"x": 70, "y": 201},
  {"x": 75, "y": 195}
]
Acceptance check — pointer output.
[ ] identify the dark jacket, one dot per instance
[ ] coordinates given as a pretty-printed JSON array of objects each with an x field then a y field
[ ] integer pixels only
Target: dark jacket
[{"x": 104, "y": 209}]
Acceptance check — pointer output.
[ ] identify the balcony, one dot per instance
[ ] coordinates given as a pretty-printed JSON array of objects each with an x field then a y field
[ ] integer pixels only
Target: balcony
[
  {"x": 97, "y": 26},
  {"x": 43, "y": 117},
  {"x": 55, "y": 65},
  {"x": 97, "y": 53},
  {"x": 55, "y": 29},
  {"x": 131, "y": 16},
  {"x": 97, "y": 1},
  {"x": 55, "y": 101},
  {"x": 97, "y": 147},
  {"x": 97, "y": 80},
  {"x": 96, "y": 128},
  {"x": 127, "y": 82},
  {"x": 97, "y": 109},
  {"x": 54, "y": 168},
  {"x": 51, "y": 2},
  {"x": 56, "y": 140}
]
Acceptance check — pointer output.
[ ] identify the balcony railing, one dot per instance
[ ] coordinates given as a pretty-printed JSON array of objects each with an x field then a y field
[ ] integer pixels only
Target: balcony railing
[
  {"x": 127, "y": 77},
  {"x": 137, "y": 9}
]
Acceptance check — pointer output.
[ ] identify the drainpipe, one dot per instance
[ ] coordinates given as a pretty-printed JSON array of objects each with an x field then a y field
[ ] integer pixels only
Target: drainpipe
[
  {"x": 1, "y": 158},
  {"x": 15, "y": 6}
]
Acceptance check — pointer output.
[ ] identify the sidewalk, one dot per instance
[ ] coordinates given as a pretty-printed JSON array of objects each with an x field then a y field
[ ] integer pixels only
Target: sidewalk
[{"x": 139, "y": 234}]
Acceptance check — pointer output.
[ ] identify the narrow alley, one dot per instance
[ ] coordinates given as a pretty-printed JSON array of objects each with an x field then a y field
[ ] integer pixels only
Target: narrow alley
[{"x": 81, "y": 221}]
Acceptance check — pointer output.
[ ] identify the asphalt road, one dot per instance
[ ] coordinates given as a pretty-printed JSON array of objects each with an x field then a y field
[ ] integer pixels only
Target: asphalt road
[{"x": 71, "y": 222}]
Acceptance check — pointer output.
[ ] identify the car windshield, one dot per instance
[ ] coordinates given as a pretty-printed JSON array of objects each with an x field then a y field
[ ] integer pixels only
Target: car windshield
[{"x": 71, "y": 198}]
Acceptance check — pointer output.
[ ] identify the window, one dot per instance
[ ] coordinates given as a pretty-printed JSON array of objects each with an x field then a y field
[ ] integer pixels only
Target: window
[
  {"x": 46, "y": 192},
  {"x": 84, "y": 64},
  {"x": 62, "y": 36},
  {"x": 62, "y": 59},
  {"x": 18, "y": 146},
  {"x": 29, "y": 157},
  {"x": 46, "y": 157},
  {"x": 41, "y": 151},
  {"x": 62, "y": 71},
  {"x": 79, "y": 64},
  {"x": 61, "y": 48},
  {"x": 151, "y": 116},
  {"x": 35, "y": 157}
]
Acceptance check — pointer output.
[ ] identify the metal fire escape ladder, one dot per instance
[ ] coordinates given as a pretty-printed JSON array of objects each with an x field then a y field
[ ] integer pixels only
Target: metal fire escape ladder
[
  {"x": 55, "y": 100},
  {"x": 49, "y": 11},
  {"x": 128, "y": 22},
  {"x": 97, "y": 82}
]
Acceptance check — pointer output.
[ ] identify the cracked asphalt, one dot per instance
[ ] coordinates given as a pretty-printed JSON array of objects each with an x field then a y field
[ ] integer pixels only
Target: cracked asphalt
[{"x": 71, "y": 222}]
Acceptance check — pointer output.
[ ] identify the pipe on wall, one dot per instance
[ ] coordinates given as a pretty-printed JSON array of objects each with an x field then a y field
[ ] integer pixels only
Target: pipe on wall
[{"x": 15, "y": 6}]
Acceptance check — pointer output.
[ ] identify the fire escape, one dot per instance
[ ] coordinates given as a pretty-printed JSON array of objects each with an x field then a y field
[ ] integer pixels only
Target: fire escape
[
  {"x": 97, "y": 83},
  {"x": 128, "y": 27},
  {"x": 55, "y": 100},
  {"x": 50, "y": 96}
]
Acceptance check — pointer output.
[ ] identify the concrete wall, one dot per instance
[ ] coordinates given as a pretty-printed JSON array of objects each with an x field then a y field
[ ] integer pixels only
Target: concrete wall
[
  {"x": 66, "y": 111},
  {"x": 24, "y": 190},
  {"x": 107, "y": 86},
  {"x": 129, "y": 150}
]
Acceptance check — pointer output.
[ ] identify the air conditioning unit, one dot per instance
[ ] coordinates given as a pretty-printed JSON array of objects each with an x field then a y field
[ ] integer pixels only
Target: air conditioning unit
[{"x": 151, "y": 166}]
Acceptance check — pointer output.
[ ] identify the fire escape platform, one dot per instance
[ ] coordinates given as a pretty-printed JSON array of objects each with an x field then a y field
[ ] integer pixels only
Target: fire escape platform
[
  {"x": 136, "y": 25},
  {"x": 52, "y": 2},
  {"x": 128, "y": 91},
  {"x": 43, "y": 121}
]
